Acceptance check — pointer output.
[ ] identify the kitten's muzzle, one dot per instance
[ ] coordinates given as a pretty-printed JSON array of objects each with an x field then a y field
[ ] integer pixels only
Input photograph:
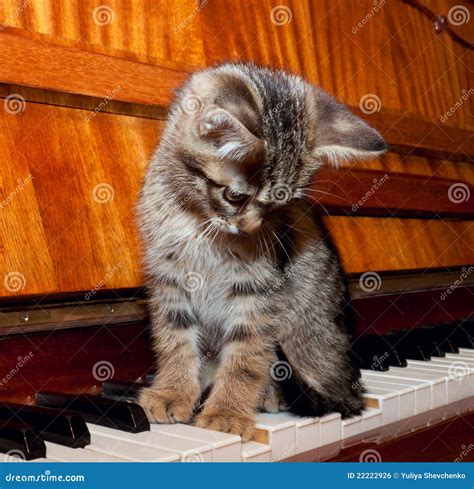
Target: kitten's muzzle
[{"x": 248, "y": 225}]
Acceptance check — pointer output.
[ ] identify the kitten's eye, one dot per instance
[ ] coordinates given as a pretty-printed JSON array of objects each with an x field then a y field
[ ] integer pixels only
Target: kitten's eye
[{"x": 233, "y": 196}]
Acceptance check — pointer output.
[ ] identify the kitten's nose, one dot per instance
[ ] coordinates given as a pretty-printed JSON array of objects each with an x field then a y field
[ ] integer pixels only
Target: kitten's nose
[{"x": 248, "y": 225}]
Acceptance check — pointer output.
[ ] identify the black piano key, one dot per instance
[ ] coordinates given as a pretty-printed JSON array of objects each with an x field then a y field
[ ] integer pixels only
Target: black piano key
[
  {"x": 442, "y": 334},
  {"x": 409, "y": 346},
  {"x": 120, "y": 415},
  {"x": 17, "y": 439},
  {"x": 369, "y": 353},
  {"x": 463, "y": 333},
  {"x": 61, "y": 427},
  {"x": 122, "y": 390}
]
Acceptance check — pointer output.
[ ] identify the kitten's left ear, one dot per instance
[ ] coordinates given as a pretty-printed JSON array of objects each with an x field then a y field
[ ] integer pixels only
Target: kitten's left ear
[{"x": 341, "y": 135}]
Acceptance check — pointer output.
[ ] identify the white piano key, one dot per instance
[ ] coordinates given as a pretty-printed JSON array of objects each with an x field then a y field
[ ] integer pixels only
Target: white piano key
[
  {"x": 438, "y": 383},
  {"x": 330, "y": 435},
  {"x": 66, "y": 454},
  {"x": 460, "y": 369},
  {"x": 466, "y": 351},
  {"x": 226, "y": 447},
  {"x": 407, "y": 394},
  {"x": 453, "y": 388},
  {"x": 422, "y": 389},
  {"x": 371, "y": 420},
  {"x": 307, "y": 434},
  {"x": 276, "y": 430},
  {"x": 109, "y": 446},
  {"x": 188, "y": 450},
  {"x": 253, "y": 451},
  {"x": 387, "y": 402},
  {"x": 351, "y": 430}
]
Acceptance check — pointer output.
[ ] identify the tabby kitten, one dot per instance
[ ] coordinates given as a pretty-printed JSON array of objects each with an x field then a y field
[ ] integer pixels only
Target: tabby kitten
[{"x": 242, "y": 282}]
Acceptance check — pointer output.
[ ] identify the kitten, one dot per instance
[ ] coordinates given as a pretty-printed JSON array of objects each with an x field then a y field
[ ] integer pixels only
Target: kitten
[{"x": 242, "y": 283}]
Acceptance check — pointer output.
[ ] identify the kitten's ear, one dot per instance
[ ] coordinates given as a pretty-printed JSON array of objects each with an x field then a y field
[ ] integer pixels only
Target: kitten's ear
[
  {"x": 232, "y": 140},
  {"x": 341, "y": 135}
]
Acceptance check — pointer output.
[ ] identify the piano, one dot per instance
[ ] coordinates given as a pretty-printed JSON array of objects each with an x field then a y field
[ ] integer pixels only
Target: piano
[{"x": 84, "y": 102}]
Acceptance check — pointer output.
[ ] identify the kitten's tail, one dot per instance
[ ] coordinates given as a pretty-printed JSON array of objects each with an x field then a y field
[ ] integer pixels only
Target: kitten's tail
[{"x": 304, "y": 400}]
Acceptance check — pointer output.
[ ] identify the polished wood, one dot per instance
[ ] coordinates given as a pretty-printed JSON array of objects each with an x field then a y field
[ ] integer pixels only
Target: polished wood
[
  {"x": 37, "y": 61},
  {"x": 27, "y": 59},
  {"x": 376, "y": 193},
  {"x": 389, "y": 244},
  {"x": 395, "y": 54},
  {"x": 76, "y": 360},
  {"x": 411, "y": 309},
  {"x": 61, "y": 234}
]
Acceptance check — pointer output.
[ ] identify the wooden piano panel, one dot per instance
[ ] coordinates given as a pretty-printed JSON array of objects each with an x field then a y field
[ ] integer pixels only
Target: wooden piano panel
[
  {"x": 71, "y": 225},
  {"x": 382, "y": 244},
  {"x": 395, "y": 55},
  {"x": 58, "y": 238}
]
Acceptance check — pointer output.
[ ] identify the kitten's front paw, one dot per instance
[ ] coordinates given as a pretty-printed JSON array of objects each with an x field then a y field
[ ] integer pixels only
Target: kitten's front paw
[
  {"x": 236, "y": 423},
  {"x": 273, "y": 401},
  {"x": 166, "y": 406}
]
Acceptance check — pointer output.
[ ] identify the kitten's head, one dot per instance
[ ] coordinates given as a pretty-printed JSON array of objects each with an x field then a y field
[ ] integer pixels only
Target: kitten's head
[{"x": 247, "y": 140}]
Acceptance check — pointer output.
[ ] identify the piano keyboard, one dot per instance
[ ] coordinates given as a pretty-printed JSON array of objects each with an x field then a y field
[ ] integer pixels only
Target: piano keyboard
[{"x": 402, "y": 394}]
